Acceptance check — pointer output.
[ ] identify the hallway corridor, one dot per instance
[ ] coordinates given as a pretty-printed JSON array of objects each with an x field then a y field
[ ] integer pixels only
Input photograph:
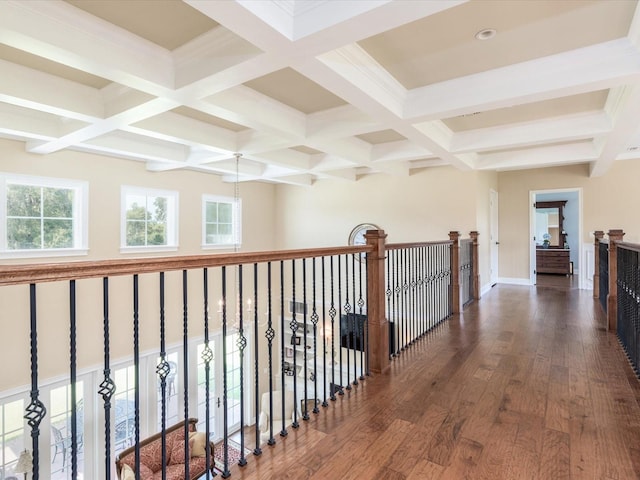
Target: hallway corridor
[{"x": 527, "y": 384}]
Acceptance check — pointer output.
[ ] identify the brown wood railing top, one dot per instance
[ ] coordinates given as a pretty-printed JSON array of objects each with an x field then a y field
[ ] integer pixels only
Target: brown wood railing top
[{"x": 64, "y": 271}]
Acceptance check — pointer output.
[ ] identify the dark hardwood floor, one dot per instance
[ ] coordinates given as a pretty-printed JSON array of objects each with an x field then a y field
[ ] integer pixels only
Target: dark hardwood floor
[{"x": 526, "y": 384}]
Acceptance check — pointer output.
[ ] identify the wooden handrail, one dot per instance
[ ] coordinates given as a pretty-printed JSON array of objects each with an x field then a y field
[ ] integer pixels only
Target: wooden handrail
[{"x": 54, "y": 272}]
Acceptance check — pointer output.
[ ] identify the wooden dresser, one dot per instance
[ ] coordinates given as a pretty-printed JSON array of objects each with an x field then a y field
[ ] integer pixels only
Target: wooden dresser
[{"x": 549, "y": 260}]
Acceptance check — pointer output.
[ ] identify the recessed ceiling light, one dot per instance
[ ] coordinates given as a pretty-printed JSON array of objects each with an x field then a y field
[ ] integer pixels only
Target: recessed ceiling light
[
  {"x": 633, "y": 149},
  {"x": 486, "y": 34}
]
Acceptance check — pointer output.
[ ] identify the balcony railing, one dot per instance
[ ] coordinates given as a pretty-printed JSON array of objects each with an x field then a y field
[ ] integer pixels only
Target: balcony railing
[{"x": 131, "y": 344}]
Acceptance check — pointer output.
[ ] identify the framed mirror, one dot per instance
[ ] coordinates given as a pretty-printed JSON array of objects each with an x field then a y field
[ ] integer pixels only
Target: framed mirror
[{"x": 549, "y": 224}]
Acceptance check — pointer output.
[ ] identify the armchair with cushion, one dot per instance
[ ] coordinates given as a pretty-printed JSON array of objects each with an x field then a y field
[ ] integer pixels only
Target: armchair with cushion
[{"x": 289, "y": 411}]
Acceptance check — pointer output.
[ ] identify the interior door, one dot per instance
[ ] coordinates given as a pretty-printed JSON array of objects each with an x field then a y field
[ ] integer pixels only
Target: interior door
[{"x": 494, "y": 240}]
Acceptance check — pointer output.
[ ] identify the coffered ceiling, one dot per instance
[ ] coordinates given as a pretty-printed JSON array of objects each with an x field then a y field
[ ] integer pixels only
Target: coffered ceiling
[{"x": 313, "y": 89}]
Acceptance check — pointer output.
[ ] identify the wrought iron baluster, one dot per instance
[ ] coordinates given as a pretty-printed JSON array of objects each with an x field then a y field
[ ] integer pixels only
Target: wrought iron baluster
[
  {"x": 340, "y": 390},
  {"x": 324, "y": 338},
  {"x": 305, "y": 412},
  {"x": 283, "y": 432},
  {"x": 225, "y": 412},
  {"x": 270, "y": 335},
  {"x": 361, "y": 326},
  {"x": 294, "y": 334},
  {"x": 136, "y": 368},
  {"x": 355, "y": 322},
  {"x": 73, "y": 379},
  {"x": 107, "y": 386},
  {"x": 163, "y": 369},
  {"x": 388, "y": 267},
  {"x": 185, "y": 362},
  {"x": 241, "y": 343},
  {"x": 35, "y": 411},
  {"x": 396, "y": 300},
  {"x": 332, "y": 314},
  {"x": 314, "y": 322},
  {"x": 256, "y": 363},
  {"x": 207, "y": 356},
  {"x": 349, "y": 319}
]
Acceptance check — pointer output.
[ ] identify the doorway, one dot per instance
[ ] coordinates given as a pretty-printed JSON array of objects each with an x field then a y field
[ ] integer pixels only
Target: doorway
[
  {"x": 494, "y": 241},
  {"x": 571, "y": 234}
]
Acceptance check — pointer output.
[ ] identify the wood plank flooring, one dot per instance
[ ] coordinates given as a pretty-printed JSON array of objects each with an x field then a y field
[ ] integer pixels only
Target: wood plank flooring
[{"x": 526, "y": 384}]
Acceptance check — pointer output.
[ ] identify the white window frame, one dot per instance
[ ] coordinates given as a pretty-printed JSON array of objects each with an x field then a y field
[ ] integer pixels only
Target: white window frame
[
  {"x": 172, "y": 219},
  {"x": 236, "y": 221},
  {"x": 80, "y": 215}
]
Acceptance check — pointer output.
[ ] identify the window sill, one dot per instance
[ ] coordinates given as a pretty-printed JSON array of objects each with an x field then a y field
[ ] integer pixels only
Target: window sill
[
  {"x": 18, "y": 254},
  {"x": 227, "y": 246},
  {"x": 150, "y": 249}
]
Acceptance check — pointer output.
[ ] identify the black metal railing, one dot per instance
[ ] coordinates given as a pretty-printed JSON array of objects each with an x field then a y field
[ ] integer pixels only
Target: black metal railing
[
  {"x": 466, "y": 271},
  {"x": 628, "y": 283},
  {"x": 418, "y": 281},
  {"x": 603, "y": 255},
  {"x": 290, "y": 334}
]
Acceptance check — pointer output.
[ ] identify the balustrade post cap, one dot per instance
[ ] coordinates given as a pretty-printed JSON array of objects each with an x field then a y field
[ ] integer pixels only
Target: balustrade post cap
[
  {"x": 598, "y": 234},
  {"x": 454, "y": 235},
  {"x": 474, "y": 234},
  {"x": 616, "y": 234}
]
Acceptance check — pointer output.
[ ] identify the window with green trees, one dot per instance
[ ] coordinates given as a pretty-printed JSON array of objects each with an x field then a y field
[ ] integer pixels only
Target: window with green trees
[
  {"x": 221, "y": 221},
  {"x": 149, "y": 218},
  {"x": 42, "y": 214}
]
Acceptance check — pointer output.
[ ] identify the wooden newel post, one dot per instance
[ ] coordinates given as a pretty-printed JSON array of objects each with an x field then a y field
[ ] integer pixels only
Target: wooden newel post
[
  {"x": 455, "y": 272},
  {"x": 376, "y": 312},
  {"x": 598, "y": 234},
  {"x": 615, "y": 236},
  {"x": 475, "y": 259}
]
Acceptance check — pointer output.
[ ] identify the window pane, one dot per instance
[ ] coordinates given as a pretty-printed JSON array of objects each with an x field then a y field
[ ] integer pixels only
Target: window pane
[
  {"x": 156, "y": 233},
  {"x": 23, "y": 201},
  {"x": 11, "y": 436},
  {"x": 58, "y": 203},
  {"x": 225, "y": 213},
  {"x": 61, "y": 427},
  {"x": 135, "y": 233},
  {"x": 212, "y": 212},
  {"x": 23, "y": 234},
  {"x": 136, "y": 207},
  {"x": 58, "y": 233},
  {"x": 212, "y": 232},
  {"x": 224, "y": 229},
  {"x": 158, "y": 209}
]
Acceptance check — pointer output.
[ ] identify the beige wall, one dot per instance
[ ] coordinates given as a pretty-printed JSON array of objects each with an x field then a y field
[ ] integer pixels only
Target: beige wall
[
  {"x": 608, "y": 202},
  {"x": 105, "y": 176}
]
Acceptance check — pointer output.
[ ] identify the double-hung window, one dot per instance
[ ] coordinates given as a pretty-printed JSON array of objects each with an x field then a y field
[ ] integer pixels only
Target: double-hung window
[
  {"x": 42, "y": 216},
  {"x": 221, "y": 220},
  {"x": 149, "y": 219}
]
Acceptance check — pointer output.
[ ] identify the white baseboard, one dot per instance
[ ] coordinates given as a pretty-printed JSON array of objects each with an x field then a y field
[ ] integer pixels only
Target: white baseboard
[
  {"x": 485, "y": 289},
  {"x": 514, "y": 281}
]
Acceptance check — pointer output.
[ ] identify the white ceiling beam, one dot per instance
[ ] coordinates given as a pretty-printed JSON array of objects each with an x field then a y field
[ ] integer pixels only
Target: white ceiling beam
[
  {"x": 343, "y": 121},
  {"x": 549, "y": 156},
  {"x": 560, "y": 129},
  {"x": 623, "y": 105},
  {"x": 583, "y": 70},
  {"x": 86, "y": 43},
  {"x": 398, "y": 150},
  {"x": 124, "y": 145}
]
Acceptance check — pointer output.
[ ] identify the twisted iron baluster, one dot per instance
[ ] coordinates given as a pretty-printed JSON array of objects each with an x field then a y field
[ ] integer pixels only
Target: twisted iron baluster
[
  {"x": 324, "y": 339},
  {"x": 332, "y": 314},
  {"x": 305, "y": 413},
  {"x": 340, "y": 390},
  {"x": 207, "y": 356},
  {"x": 389, "y": 308},
  {"x": 283, "y": 432},
  {"x": 136, "y": 367},
  {"x": 35, "y": 411},
  {"x": 225, "y": 418},
  {"x": 361, "y": 326},
  {"x": 241, "y": 343},
  {"x": 348, "y": 317},
  {"x": 185, "y": 361},
  {"x": 270, "y": 335},
  {"x": 107, "y": 386},
  {"x": 356, "y": 321},
  {"x": 314, "y": 322},
  {"x": 256, "y": 372},
  {"x": 162, "y": 370},
  {"x": 293, "y": 325},
  {"x": 72, "y": 379}
]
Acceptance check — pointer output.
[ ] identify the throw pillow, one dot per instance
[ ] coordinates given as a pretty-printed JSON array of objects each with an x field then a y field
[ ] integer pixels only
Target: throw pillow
[
  {"x": 197, "y": 444},
  {"x": 127, "y": 473}
]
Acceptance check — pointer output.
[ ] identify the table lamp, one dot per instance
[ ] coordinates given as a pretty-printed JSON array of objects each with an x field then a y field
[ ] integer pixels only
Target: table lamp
[{"x": 25, "y": 463}]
